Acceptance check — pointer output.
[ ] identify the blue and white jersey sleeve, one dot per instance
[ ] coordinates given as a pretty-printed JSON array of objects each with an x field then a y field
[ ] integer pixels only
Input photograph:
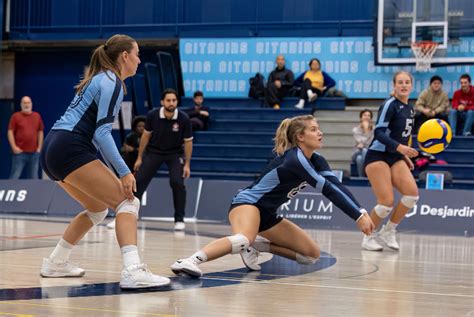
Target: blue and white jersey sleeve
[
  {"x": 322, "y": 166},
  {"x": 327, "y": 183},
  {"x": 382, "y": 131},
  {"x": 108, "y": 101}
]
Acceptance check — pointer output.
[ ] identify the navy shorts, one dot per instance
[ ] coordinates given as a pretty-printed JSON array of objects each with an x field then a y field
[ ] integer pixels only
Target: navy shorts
[
  {"x": 375, "y": 156},
  {"x": 268, "y": 218},
  {"x": 63, "y": 152}
]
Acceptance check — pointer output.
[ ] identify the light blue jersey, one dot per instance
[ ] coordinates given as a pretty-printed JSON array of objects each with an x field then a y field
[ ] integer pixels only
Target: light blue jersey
[{"x": 92, "y": 113}]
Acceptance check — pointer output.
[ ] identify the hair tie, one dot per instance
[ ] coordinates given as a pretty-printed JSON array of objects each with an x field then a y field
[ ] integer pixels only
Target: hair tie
[{"x": 105, "y": 47}]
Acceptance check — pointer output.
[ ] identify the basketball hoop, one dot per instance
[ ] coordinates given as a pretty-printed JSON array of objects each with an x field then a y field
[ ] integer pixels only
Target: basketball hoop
[{"x": 424, "y": 52}]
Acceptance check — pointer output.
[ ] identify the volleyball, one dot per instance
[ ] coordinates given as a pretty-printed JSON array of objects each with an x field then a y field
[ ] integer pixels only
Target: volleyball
[{"x": 434, "y": 136}]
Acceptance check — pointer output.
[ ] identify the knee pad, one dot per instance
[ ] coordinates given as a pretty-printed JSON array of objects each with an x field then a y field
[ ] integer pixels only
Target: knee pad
[
  {"x": 409, "y": 201},
  {"x": 382, "y": 211},
  {"x": 97, "y": 217},
  {"x": 239, "y": 243},
  {"x": 129, "y": 207},
  {"x": 305, "y": 260}
]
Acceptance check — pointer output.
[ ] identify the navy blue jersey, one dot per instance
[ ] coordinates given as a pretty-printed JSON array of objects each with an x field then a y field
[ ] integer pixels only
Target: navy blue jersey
[
  {"x": 92, "y": 113},
  {"x": 168, "y": 136},
  {"x": 287, "y": 174},
  {"x": 393, "y": 127}
]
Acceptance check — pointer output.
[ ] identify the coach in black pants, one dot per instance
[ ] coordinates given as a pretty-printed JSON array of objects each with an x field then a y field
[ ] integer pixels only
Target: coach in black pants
[{"x": 167, "y": 131}]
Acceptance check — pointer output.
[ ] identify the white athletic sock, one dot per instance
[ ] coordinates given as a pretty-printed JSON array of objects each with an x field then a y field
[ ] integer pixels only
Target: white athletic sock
[
  {"x": 130, "y": 255},
  {"x": 199, "y": 257},
  {"x": 391, "y": 225},
  {"x": 261, "y": 245},
  {"x": 62, "y": 252}
]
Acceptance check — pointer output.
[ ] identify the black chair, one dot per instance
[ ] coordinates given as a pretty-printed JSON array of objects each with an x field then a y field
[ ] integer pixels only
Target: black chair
[
  {"x": 169, "y": 77},
  {"x": 154, "y": 84}
]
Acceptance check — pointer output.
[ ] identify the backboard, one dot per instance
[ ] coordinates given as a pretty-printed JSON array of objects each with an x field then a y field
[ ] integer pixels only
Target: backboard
[{"x": 447, "y": 22}]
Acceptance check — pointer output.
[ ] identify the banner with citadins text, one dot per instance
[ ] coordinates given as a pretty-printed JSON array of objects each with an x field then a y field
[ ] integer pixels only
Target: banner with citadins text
[{"x": 221, "y": 67}]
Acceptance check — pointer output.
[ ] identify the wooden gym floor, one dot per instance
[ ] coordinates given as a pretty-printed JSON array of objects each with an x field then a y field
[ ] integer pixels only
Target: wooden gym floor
[{"x": 429, "y": 276}]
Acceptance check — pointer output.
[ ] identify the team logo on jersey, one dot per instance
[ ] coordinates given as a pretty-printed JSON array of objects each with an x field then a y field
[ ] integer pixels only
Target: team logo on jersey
[
  {"x": 296, "y": 190},
  {"x": 175, "y": 127}
]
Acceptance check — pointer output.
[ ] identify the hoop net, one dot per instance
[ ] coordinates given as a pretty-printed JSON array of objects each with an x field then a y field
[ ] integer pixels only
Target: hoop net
[{"x": 424, "y": 52}]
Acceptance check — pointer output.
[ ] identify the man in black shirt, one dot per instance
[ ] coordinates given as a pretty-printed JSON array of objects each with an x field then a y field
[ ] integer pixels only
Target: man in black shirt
[
  {"x": 199, "y": 114},
  {"x": 279, "y": 83},
  {"x": 167, "y": 129}
]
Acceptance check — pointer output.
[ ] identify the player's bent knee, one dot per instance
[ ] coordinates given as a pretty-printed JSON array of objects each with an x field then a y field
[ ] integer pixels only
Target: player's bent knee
[
  {"x": 382, "y": 211},
  {"x": 409, "y": 201},
  {"x": 239, "y": 243},
  {"x": 129, "y": 207},
  {"x": 305, "y": 260},
  {"x": 97, "y": 217}
]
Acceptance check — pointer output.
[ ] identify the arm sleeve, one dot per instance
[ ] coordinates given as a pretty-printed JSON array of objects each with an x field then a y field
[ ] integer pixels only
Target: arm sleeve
[
  {"x": 456, "y": 98},
  {"x": 109, "y": 93},
  {"x": 443, "y": 105},
  {"x": 149, "y": 120},
  {"x": 289, "y": 79},
  {"x": 328, "y": 81},
  {"x": 188, "y": 131},
  {"x": 327, "y": 183},
  {"x": 358, "y": 136},
  {"x": 333, "y": 189},
  {"x": 40, "y": 123},
  {"x": 12, "y": 123},
  {"x": 129, "y": 139},
  {"x": 270, "y": 78},
  {"x": 192, "y": 113},
  {"x": 381, "y": 128},
  {"x": 421, "y": 101}
]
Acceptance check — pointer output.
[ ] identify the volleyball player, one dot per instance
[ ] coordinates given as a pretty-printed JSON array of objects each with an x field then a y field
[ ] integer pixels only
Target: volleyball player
[
  {"x": 254, "y": 210},
  {"x": 69, "y": 157},
  {"x": 388, "y": 164}
]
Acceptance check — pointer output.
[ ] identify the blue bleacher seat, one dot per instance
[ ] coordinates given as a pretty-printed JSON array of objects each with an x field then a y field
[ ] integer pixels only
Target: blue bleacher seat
[
  {"x": 226, "y": 137},
  {"x": 239, "y": 141},
  {"x": 324, "y": 103},
  {"x": 233, "y": 151}
]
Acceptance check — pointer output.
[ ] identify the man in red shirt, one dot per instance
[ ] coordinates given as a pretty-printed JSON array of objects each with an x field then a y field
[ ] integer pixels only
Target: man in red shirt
[
  {"x": 25, "y": 134},
  {"x": 463, "y": 106}
]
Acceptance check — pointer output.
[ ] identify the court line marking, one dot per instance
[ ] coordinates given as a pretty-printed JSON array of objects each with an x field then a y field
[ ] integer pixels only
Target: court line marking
[
  {"x": 39, "y": 236},
  {"x": 230, "y": 272},
  {"x": 415, "y": 262},
  {"x": 18, "y": 315},
  {"x": 208, "y": 234},
  {"x": 82, "y": 308},
  {"x": 347, "y": 288},
  {"x": 321, "y": 286}
]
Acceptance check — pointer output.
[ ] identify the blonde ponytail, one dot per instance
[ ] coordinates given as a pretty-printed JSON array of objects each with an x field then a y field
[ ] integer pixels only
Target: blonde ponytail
[
  {"x": 285, "y": 136},
  {"x": 281, "y": 137},
  {"x": 105, "y": 57}
]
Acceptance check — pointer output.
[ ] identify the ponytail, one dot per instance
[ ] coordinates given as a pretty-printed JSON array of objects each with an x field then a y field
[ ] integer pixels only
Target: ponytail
[
  {"x": 287, "y": 132},
  {"x": 105, "y": 57},
  {"x": 281, "y": 137}
]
